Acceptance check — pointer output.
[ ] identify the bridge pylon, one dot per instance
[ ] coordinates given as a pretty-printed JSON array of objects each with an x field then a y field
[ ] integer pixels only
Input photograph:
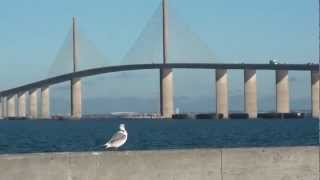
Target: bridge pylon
[
  {"x": 166, "y": 75},
  {"x": 76, "y": 97}
]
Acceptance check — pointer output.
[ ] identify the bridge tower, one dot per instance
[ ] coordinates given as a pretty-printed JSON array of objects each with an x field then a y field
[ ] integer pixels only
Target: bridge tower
[
  {"x": 166, "y": 76},
  {"x": 76, "y": 104}
]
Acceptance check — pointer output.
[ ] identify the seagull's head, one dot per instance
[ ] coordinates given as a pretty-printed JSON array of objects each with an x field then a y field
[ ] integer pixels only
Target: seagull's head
[{"x": 122, "y": 127}]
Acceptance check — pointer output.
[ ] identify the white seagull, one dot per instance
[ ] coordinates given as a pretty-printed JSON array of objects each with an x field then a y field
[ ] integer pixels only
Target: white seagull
[{"x": 118, "y": 139}]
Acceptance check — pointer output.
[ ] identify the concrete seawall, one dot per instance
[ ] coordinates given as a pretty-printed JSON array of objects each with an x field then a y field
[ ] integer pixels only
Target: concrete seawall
[{"x": 285, "y": 163}]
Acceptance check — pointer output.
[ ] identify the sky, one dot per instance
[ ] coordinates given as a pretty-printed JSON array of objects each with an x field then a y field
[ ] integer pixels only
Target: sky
[{"x": 33, "y": 31}]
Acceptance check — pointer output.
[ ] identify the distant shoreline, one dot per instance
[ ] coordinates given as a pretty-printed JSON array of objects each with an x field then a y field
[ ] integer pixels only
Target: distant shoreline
[{"x": 156, "y": 116}]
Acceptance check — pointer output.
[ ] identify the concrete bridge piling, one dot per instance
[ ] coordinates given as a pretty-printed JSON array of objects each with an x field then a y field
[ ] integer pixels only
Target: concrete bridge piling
[
  {"x": 45, "y": 102},
  {"x": 315, "y": 93},
  {"x": 222, "y": 102},
  {"x": 4, "y": 107},
  {"x": 282, "y": 91},
  {"x": 166, "y": 92},
  {"x": 1, "y": 113},
  {"x": 250, "y": 92},
  {"x": 11, "y": 105},
  {"x": 22, "y": 104},
  {"x": 33, "y": 103},
  {"x": 76, "y": 102}
]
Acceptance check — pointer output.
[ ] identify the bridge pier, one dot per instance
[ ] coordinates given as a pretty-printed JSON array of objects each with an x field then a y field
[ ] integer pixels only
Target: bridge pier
[
  {"x": 222, "y": 104},
  {"x": 22, "y": 104},
  {"x": 315, "y": 90},
  {"x": 4, "y": 107},
  {"x": 11, "y": 105},
  {"x": 282, "y": 91},
  {"x": 1, "y": 108},
  {"x": 76, "y": 98},
  {"x": 166, "y": 92},
  {"x": 250, "y": 92},
  {"x": 45, "y": 102},
  {"x": 33, "y": 103}
]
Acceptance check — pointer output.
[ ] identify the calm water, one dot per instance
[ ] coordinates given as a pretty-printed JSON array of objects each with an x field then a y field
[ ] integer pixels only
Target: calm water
[{"x": 57, "y": 136}]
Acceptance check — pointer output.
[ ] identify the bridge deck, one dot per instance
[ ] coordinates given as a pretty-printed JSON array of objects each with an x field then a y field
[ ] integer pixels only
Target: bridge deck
[{"x": 110, "y": 69}]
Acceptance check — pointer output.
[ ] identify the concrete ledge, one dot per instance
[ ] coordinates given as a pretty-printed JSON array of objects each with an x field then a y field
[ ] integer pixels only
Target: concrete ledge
[{"x": 292, "y": 163}]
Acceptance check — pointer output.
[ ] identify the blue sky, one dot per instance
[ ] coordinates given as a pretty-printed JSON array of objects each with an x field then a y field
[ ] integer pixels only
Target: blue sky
[{"x": 32, "y": 31}]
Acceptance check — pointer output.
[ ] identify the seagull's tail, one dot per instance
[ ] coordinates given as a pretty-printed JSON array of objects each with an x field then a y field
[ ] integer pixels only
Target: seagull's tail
[{"x": 107, "y": 145}]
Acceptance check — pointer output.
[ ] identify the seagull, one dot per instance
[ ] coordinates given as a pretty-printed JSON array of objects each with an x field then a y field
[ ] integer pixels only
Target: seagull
[{"x": 118, "y": 139}]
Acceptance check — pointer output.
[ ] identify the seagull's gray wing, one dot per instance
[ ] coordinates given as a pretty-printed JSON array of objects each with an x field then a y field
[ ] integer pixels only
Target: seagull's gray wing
[{"x": 117, "y": 137}]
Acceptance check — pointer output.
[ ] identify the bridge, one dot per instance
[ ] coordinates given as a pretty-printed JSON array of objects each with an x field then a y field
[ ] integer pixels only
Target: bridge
[
  {"x": 282, "y": 88},
  {"x": 9, "y": 97}
]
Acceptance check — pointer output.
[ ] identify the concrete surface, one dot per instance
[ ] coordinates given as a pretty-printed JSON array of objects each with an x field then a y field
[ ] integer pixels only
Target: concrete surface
[
  {"x": 286, "y": 163},
  {"x": 1, "y": 107},
  {"x": 222, "y": 102},
  {"x": 4, "y": 107},
  {"x": 282, "y": 91},
  {"x": 75, "y": 45},
  {"x": 165, "y": 31},
  {"x": 45, "y": 102},
  {"x": 22, "y": 104},
  {"x": 296, "y": 163},
  {"x": 250, "y": 92},
  {"x": 166, "y": 92},
  {"x": 33, "y": 103},
  {"x": 315, "y": 92},
  {"x": 76, "y": 93},
  {"x": 76, "y": 98},
  {"x": 11, "y": 106}
]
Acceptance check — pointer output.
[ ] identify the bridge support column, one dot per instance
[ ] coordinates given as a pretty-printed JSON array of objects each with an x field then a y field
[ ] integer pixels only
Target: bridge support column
[
  {"x": 250, "y": 92},
  {"x": 222, "y": 104},
  {"x": 315, "y": 90},
  {"x": 166, "y": 92},
  {"x": 76, "y": 98},
  {"x": 1, "y": 108},
  {"x": 33, "y": 106},
  {"x": 45, "y": 102},
  {"x": 11, "y": 105},
  {"x": 4, "y": 107},
  {"x": 282, "y": 91},
  {"x": 22, "y": 104}
]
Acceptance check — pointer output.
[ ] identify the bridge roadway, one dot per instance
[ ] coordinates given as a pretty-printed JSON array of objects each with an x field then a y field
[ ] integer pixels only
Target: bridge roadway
[{"x": 111, "y": 69}]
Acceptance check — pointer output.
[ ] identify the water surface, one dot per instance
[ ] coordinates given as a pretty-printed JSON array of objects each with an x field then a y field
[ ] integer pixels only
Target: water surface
[{"x": 25, "y": 136}]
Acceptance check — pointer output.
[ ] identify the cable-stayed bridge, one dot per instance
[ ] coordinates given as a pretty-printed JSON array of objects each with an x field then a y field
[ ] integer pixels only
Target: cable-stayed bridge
[{"x": 160, "y": 52}]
